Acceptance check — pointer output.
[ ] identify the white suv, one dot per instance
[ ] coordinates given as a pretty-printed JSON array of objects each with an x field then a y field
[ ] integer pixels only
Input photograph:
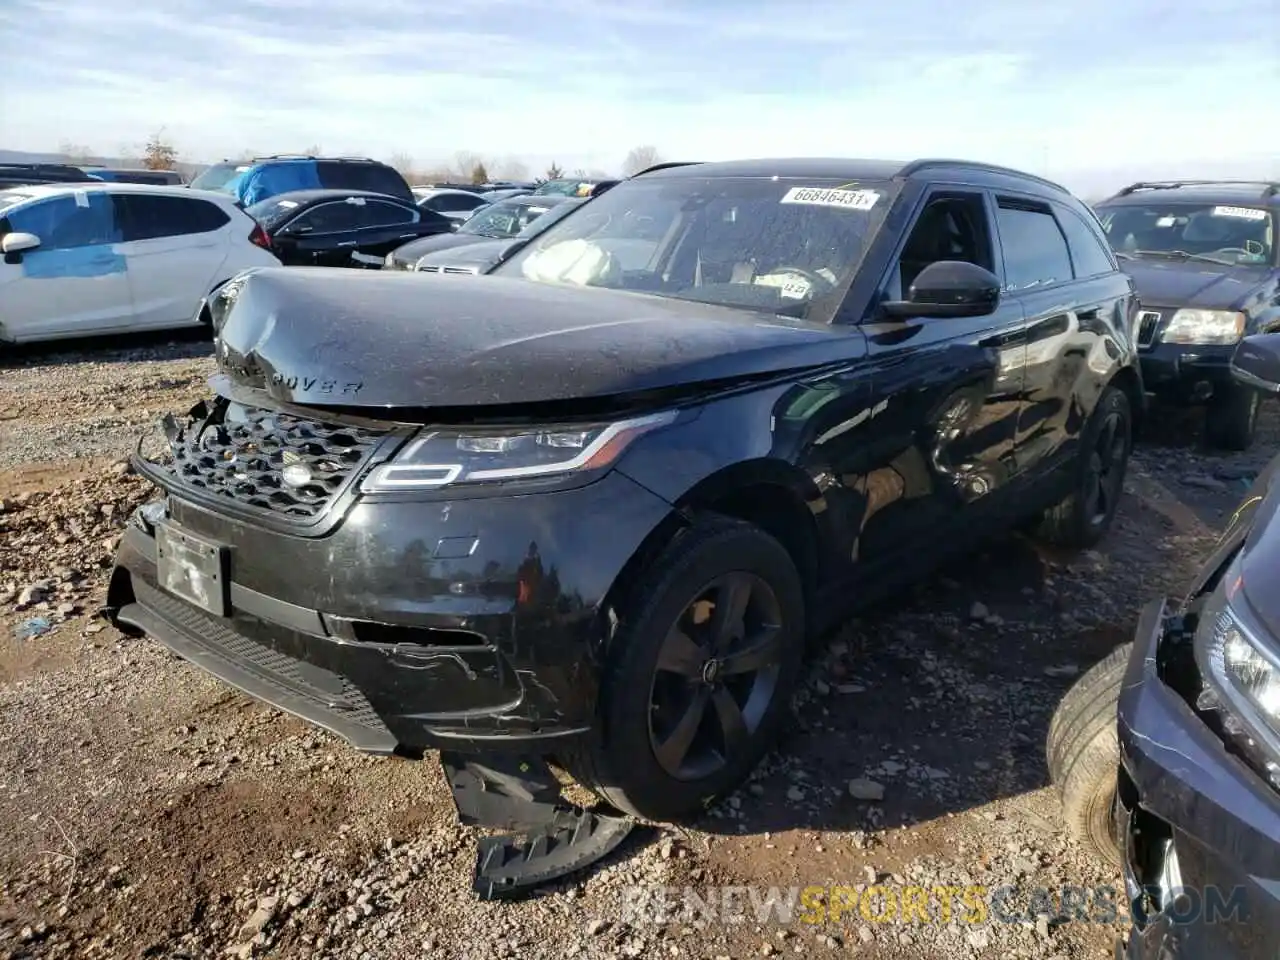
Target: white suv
[{"x": 82, "y": 259}]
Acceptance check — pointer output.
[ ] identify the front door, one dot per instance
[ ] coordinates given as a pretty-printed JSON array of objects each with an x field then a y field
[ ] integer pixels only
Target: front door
[
  {"x": 176, "y": 246},
  {"x": 76, "y": 282},
  {"x": 937, "y": 450}
]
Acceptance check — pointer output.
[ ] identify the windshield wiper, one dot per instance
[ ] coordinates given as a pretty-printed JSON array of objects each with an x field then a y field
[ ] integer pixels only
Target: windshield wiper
[{"x": 1180, "y": 255}]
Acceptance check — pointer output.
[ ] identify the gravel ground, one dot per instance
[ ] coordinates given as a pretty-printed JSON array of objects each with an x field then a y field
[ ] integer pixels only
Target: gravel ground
[{"x": 147, "y": 810}]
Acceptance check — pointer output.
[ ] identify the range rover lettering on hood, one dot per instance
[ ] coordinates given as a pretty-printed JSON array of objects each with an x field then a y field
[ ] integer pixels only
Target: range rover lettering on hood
[{"x": 332, "y": 336}]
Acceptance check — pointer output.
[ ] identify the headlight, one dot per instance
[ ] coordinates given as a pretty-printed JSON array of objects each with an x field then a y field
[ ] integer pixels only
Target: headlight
[
  {"x": 1243, "y": 669},
  {"x": 1204, "y": 327},
  {"x": 438, "y": 458},
  {"x": 224, "y": 298}
]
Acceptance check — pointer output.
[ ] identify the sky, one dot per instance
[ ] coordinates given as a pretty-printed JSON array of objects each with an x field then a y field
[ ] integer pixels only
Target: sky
[{"x": 1093, "y": 92}]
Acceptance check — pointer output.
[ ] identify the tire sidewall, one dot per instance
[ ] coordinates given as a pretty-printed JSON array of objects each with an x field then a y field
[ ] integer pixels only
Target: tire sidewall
[{"x": 679, "y": 575}]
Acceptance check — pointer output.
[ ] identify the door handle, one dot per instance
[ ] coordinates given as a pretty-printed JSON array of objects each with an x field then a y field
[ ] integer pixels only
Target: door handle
[{"x": 349, "y": 243}]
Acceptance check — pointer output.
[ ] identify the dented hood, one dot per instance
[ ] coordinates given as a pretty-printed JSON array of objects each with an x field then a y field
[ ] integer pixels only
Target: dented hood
[{"x": 317, "y": 336}]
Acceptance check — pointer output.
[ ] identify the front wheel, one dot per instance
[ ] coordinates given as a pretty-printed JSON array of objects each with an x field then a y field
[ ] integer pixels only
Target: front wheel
[
  {"x": 1232, "y": 418},
  {"x": 698, "y": 677},
  {"x": 1085, "y": 515}
]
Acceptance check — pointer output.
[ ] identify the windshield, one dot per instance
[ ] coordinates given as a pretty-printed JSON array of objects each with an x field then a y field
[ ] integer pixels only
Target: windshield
[
  {"x": 562, "y": 188},
  {"x": 217, "y": 176},
  {"x": 271, "y": 212},
  {"x": 1219, "y": 233},
  {"x": 784, "y": 246},
  {"x": 538, "y": 224},
  {"x": 503, "y": 219}
]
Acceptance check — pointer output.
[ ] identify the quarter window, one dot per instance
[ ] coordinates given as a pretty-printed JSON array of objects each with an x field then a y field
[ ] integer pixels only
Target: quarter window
[
  {"x": 1089, "y": 255},
  {"x": 1035, "y": 251},
  {"x": 151, "y": 217}
]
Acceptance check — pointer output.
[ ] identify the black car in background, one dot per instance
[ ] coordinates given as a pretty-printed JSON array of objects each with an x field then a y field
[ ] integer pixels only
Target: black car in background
[
  {"x": 1167, "y": 753},
  {"x": 591, "y": 512},
  {"x": 27, "y": 174},
  {"x": 342, "y": 228},
  {"x": 1206, "y": 262},
  {"x": 499, "y": 221}
]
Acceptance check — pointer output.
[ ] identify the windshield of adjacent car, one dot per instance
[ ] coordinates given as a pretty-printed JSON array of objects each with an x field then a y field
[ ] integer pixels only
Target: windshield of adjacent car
[
  {"x": 543, "y": 221},
  {"x": 504, "y": 219},
  {"x": 272, "y": 212},
  {"x": 217, "y": 176},
  {"x": 759, "y": 243},
  {"x": 1223, "y": 233},
  {"x": 562, "y": 188}
]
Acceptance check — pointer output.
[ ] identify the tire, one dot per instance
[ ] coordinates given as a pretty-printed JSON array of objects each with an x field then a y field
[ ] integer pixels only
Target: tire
[
  {"x": 1231, "y": 421},
  {"x": 1079, "y": 521},
  {"x": 1084, "y": 755},
  {"x": 639, "y": 703}
]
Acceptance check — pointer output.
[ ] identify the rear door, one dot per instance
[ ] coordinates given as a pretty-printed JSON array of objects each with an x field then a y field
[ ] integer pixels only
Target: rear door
[
  {"x": 385, "y": 226},
  {"x": 175, "y": 247},
  {"x": 324, "y": 235},
  {"x": 75, "y": 283},
  {"x": 1074, "y": 295}
]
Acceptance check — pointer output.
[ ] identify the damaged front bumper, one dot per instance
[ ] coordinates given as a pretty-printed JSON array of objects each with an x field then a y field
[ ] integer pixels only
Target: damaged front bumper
[
  {"x": 470, "y": 625},
  {"x": 1199, "y": 830}
]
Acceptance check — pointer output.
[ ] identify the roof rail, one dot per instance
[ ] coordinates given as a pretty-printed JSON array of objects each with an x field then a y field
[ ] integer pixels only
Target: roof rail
[
  {"x": 1270, "y": 188},
  {"x": 665, "y": 165},
  {"x": 917, "y": 165}
]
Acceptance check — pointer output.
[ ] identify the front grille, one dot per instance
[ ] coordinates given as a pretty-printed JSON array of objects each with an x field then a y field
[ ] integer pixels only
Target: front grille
[
  {"x": 290, "y": 466},
  {"x": 1148, "y": 322},
  {"x": 434, "y": 268}
]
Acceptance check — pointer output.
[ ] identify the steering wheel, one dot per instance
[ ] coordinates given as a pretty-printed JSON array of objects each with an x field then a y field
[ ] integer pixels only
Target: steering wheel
[{"x": 815, "y": 279}]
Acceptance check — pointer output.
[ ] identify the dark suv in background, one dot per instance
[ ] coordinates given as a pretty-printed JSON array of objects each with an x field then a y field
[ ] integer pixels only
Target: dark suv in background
[
  {"x": 1205, "y": 259},
  {"x": 259, "y": 179},
  {"x": 590, "y": 508}
]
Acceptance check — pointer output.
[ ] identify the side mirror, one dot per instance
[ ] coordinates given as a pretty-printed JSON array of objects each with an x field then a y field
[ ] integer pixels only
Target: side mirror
[
  {"x": 948, "y": 288},
  {"x": 1256, "y": 362},
  {"x": 19, "y": 242}
]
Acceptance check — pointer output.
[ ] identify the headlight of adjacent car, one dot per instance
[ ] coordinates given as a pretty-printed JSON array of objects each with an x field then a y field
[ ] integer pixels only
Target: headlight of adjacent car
[
  {"x": 1241, "y": 666},
  {"x": 1204, "y": 327},
  {"x": 438, "y": 458}
]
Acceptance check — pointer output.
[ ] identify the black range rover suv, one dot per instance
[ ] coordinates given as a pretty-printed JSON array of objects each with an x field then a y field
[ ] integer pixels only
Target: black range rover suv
[
  {"x": 588, "y": 513},
  {"x": 1206, "y": 264}
]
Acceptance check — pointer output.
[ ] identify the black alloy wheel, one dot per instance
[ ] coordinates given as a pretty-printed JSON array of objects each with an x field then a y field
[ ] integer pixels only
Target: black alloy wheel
[
  {"x": 1104, "y": 475},
  {"x": 717, "y": 673}
]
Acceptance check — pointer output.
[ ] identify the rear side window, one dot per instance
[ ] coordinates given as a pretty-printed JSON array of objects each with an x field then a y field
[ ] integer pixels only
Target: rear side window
[
  {"x": 149, "y": 218},
  {"x": 374, "y": 177},
  {"x": 1035, "y": 251},
  {"x": 438, "y": 220},
  {"x": 454, "y": 202},
  {"x": 337, "y": 216},
  {"x": 378, "y": 214},
  {"x": 1089, "y": 255}
]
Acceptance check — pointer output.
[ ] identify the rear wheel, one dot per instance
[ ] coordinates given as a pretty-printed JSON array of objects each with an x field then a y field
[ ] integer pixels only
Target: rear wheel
[
  {"x": 1232, "y": 418},
  {"x": 699, "y": 675},
  {"x": 1084, "y": 754},
  {"x": 1083, "y": 518}
]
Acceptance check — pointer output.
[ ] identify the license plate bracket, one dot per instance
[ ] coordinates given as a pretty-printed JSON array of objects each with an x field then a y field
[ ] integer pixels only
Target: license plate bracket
[{"x": 194, "y": 569}]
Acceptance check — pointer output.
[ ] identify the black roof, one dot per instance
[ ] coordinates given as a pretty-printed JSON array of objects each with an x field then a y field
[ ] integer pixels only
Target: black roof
[
  {"x": 841, "y": 168},
  {"x": 1255, "y": 193},
  {"x": 313, "y": 195}
]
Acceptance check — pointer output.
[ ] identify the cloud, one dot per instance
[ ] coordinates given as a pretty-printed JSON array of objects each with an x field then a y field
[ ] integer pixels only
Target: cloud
[{"x": 1064, "y": 89}]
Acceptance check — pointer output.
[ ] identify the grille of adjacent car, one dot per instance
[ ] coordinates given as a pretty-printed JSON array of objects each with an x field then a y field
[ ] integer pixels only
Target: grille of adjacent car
[
  {"x": 434, "y": 268},
  {"x": 1148, "y": 321},
  {"x": 244, "y": 456}
]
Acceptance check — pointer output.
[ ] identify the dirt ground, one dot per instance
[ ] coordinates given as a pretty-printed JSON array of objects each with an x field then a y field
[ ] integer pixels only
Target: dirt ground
[{"x": 148, "y": 811}]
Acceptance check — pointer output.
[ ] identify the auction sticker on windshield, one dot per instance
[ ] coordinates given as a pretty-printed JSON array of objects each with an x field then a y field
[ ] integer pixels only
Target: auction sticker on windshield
[
  {"x": 825, "y": 197},
  {"x": 1243, "y": 213}
]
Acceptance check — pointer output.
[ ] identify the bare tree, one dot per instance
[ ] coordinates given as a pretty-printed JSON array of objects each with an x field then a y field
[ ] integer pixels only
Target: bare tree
[
  {"x": 640, "y": 158},
  {"x": 159, "y": 153},
  {"x": 402, "y": 163},
  {"x": 75, "y": 153},
  {"x": 511, "y": 168},
  {"x": 479, "y": 174},
  {"x": 554, "y": 172},
  {"x": 465, "y": 163}
]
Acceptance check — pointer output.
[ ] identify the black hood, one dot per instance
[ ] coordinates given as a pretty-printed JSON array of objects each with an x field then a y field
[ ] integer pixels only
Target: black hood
[
  {"x": 480, "y": 255},
  {"x": 331, "y": 336},
  {"x": 1193, "y": 283},
  {"x": 414, "y": 249}
]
